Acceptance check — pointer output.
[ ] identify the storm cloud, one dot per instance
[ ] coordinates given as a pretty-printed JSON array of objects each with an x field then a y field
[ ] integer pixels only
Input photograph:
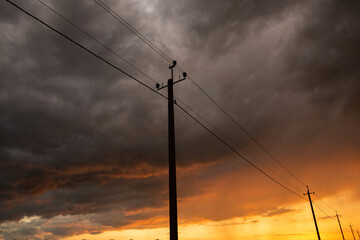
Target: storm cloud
[{"x": 80, "y": 139}]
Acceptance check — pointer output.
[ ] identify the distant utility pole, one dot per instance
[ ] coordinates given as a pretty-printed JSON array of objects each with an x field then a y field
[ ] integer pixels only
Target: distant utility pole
[
  {"x": 337, "y": 216},
  {"x": 352, "y": 231},
  {"x": 172, "y": 161},
  {"x": 312, "y": 209}
]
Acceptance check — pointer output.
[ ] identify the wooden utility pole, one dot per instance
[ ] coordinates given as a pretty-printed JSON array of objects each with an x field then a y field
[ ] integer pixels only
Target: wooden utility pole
[
  {"x": 172, "y": 161},
  {"x": 173, "y": 219},
  {"x": 312, "y": 210},
  {"x": 352, "y": 231},
  {"x": 337, "y": 216}
]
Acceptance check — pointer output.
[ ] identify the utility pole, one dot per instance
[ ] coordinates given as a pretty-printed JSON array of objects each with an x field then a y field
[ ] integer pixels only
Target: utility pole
[
  {"x": 352, "y": 231},
  {"x": 172, "y": 161},
  {"x": 337, "y": 216},
  {"x": 312, "y": 209}
]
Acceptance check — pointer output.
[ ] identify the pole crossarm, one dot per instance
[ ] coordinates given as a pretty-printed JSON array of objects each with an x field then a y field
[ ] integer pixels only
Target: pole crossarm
[
  {"x": 312, "y": 210},
  {"x": 342, "y": 233},
  {"x": 173, "y": 219},
  {"x": 159, "y": 87}
]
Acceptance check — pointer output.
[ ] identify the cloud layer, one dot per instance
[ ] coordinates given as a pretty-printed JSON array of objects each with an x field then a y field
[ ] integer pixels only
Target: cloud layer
[{"x": 79, "y": 139}]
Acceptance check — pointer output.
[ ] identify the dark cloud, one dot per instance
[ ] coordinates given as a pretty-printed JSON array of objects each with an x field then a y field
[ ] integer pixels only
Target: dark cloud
[
  {"x": 78, "y": 138},
  {"x": 326, "y": 218},
  {"x": 324, "y": 58},
  {"x": 276, "y": 212}
]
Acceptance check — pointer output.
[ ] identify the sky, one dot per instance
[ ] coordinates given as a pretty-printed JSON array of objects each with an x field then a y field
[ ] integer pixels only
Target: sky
[{"x": 84, "y": 148}]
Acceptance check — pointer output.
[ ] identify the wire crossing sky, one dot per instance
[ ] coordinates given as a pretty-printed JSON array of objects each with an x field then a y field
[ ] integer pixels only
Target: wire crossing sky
[
  {"x": 81, "y": 143},
  {"x": 110, "y": 64},
  {"x": 166, "y": 57}
]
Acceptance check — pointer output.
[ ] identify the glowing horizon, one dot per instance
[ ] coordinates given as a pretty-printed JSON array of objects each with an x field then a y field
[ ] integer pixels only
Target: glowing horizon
[{"x": 84, "y": 135}]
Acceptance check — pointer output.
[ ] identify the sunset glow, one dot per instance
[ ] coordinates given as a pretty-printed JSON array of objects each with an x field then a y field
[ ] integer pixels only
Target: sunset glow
[
  {"x": 297, "y": 225},
  {"x": 266, "y": 116}
]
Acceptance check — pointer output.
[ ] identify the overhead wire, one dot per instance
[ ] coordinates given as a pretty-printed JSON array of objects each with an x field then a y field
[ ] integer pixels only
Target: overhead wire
[
  {"x": 332, "y": 217},
  {"x": 133, "y": 30},
  {"x": 153, "y": 90},
  {"x": 330, "y": 207},
  {"x": 103, "y": 45},
  {"x": 166, "y": 57},
  {"x": 237, "y": 152},
  {"x": 112, "y": 65},
  {"x": 85, "y": 48},
  {"x": 109, "y": 10},
  {"x": 130, "y": 76},
  {"x": 324, "y": 202},
  {"x": 245, "y": 131},
  {"x": 96, "y": 40},
  {"x": 169, "y": 59},
  {"x": 237, "y": 145},
  {"x": 146, "y": 75}
]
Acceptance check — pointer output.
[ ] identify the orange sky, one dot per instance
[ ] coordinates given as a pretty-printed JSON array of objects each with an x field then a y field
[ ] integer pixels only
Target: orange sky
[
  {"x": 84, "y": 147},
  {"x": 297, "y": 225},
  {"x": 269, "y": 211}
]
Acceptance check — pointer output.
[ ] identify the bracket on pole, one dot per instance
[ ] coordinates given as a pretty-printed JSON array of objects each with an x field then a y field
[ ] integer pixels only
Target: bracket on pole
[
  {"x": 159, "y": 87},
  {"x": 312, "y": 210}
]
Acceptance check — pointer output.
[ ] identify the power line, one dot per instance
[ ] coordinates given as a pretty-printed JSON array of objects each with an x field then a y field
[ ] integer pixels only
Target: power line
[
  {"x": 237, "y": 153},
  {"x": 151, "y": 89},
  {"x": 96, "y": 40},
  {"x": 133, "y": 30},
  {"x": 325, "y": 203},
  {"x": 127, "y": 74},
  {"x": 332, "y": 217},
  {"x": 145, "y": 39},
  {"x": 331, "y": 208},
  {"x": 86, "y": 49},
  {"x": 167, "y": 58},
  {"x": 237, "y": 145},
  {"x": 244, "y": 130},
  {"x": 112, "y": 65},
  {"x": 110, "y": 50}
]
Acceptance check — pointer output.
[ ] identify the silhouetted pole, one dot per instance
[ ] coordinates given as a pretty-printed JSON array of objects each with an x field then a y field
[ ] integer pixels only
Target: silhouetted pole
[
  {"x": 172, "y": 160},
  {"x": 352, "y": 231},
  {"x": 337, "y": 216},
  {"x": 312, "y": 209},
  {"x": 358, "y": 233}
]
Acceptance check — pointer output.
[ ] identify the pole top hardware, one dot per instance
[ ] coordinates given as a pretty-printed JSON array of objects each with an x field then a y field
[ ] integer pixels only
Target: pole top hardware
[
  {"x": 158, "y": 86},
  {"x": 174, "y": 64}
]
